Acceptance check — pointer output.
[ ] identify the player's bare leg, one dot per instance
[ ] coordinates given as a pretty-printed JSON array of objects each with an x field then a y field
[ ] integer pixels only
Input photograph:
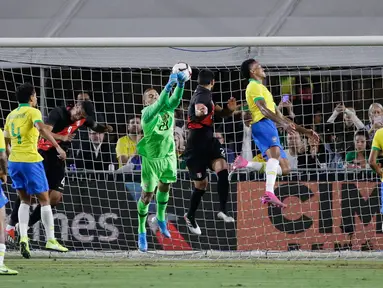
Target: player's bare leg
[
  {"x": 48, "y": 223},
  {"x": 4, "y": 270},
  {"x": 23, "y": 215},
  {"x": 199, "y": 190},
  {"x": 220, "y": 168},
  {"x": 272, "y": 165},
  {"x": 162, "y": 199}
]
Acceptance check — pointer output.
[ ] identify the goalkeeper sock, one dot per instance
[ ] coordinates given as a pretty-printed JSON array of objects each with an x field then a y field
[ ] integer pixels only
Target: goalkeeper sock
[
  {"x": 194, "y": 201},
  {"x": 223, "y": 189},
  {"x": 143, "y": 210},
  {"x": 23, "y": 219},
  {"x": 162, "y": 202},
  {"x": 35, "y": 216},
  {"x": 48, "y": 222},
  {"x": 2, "y": 253},
  {"x": 14, "y": 219},
  {"x": 271, "y": 174}
]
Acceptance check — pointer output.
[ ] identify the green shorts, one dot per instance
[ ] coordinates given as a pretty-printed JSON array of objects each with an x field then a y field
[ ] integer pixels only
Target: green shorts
[{"x": 155, "y": 170}]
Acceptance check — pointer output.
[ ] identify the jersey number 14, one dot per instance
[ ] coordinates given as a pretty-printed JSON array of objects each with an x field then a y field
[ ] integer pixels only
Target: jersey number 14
[{"x": 17, "y": 135}]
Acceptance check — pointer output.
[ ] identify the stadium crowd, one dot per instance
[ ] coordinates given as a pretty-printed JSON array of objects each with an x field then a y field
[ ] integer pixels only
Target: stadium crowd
[{"x": 345, "y": 139}]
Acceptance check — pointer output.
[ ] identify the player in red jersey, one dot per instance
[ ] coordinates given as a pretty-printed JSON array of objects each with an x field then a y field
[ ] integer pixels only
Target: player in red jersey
[
  {"x": 63, "y": 123},
  {"x": 203, "y": 150}
]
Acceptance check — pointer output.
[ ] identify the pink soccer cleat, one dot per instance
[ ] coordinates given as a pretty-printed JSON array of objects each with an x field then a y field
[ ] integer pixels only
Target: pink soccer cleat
[
  {"x": 269, "y": 197},
  {"x": 239, "y": 163}
]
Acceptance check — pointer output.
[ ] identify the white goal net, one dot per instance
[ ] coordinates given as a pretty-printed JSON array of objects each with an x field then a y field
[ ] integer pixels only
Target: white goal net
[{"x": 333, "y": 197}]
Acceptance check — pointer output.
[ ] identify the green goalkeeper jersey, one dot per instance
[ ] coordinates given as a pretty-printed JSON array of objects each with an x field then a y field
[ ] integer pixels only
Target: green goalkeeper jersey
[{"x": 157, "y": 122}]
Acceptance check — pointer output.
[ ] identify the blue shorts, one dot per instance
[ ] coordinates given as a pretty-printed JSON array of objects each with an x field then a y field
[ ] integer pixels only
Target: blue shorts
[
  {"x": 29, "y": 177},
  {"x": 265, "y": 135},
  {"x": 3, "y": 198}
]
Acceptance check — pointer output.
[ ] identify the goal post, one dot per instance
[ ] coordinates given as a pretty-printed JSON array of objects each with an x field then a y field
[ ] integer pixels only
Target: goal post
[{"x": 333, "y": 206}]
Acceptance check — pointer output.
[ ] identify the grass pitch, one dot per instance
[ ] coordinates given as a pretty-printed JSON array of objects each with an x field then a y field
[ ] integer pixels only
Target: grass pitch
[{"x": 74, "y": 273}]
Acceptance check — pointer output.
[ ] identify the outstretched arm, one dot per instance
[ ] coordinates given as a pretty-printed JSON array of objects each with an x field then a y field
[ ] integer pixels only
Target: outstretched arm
[
  {"x": 152, "y": 110},
  {"x": 175, "y": 99}
]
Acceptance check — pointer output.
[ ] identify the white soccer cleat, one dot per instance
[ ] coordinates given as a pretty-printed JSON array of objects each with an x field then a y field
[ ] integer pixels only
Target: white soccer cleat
[
  {"x": 192, "y": 225},
  {"x": 225, "y": 218}
]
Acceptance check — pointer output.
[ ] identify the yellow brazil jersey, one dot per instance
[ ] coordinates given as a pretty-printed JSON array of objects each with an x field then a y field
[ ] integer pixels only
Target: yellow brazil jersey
[
  {"x": 2, "y": 141},
  {"x": 255, "y": 90},
  {"x": 20, "y": 127},
  {"x": 125, "y": 146},
  {"x": 377, "y": 142}
]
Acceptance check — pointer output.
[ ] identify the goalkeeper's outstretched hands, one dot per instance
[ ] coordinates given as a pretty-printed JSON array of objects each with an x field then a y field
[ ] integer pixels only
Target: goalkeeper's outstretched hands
[
  {"x": 181, "y": 79},
  {"x": 171, "y": 82}
]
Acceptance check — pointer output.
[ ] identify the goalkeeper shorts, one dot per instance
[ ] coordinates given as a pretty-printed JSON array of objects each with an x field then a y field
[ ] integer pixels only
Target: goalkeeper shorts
[{"x": 155, "y": 170}]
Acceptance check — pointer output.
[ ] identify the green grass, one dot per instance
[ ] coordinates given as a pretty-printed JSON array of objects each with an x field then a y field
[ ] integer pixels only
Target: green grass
[{"x": 198, "y": 274}]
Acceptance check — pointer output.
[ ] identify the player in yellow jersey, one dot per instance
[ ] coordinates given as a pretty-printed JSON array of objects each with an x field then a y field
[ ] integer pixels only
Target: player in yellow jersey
[
  {"x": 377, "y": 148},
  {"x": 4, "y": 270},
  {"x": 264, "y": 131},
  {"x": 25, "y": 165}
]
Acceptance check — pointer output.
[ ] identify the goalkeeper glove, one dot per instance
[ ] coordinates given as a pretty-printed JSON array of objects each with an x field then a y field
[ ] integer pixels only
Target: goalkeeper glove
[
  {"x": 181, "y": 79},
  {"x": 171, "y": 82}
]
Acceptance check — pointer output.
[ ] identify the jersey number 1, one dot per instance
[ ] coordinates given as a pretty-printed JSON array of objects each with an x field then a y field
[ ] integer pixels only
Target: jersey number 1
[{"x": 16, "y": 134}]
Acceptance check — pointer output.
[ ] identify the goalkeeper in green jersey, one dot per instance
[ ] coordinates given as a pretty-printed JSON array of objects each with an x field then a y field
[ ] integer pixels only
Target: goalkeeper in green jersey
[{"x": 157, "y": 149}]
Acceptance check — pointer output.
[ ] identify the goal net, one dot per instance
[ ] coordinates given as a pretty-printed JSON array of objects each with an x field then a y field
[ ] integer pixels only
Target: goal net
[{"x": 333, "y": 197}]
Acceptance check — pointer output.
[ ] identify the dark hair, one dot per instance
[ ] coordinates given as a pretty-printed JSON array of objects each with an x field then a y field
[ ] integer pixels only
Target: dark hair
[
  {"x": 205, "y": 77},
  {"x": 24, "y": 92},
  {"x": 88, "y": 108},
  {"x": 245, "y": 68},
  {"x": 361, "y": 133}
]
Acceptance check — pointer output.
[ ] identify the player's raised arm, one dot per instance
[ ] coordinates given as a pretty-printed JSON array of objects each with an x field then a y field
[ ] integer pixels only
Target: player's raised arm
[
  {"x": 156, "y": 103},
  {"x": 376, "y": 149},
  {"x": 175, "y": 99}
]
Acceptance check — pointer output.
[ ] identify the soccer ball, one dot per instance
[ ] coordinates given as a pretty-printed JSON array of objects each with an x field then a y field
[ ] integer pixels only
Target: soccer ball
[{"x": 184, "y": 68}]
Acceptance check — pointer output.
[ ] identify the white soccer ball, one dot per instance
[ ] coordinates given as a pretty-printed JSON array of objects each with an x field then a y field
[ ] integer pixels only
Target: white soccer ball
[{"x": 184, "y": 68}]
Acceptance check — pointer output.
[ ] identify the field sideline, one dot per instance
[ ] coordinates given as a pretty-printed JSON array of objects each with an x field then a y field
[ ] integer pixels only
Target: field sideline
[{"x": 74, "y": 273}]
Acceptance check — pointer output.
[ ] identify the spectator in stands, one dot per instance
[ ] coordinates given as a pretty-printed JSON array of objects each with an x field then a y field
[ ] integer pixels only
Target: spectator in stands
[
  {"x": 318, "y": 125},
  {"x": 375, "y": 114},
  {"x": 286, "y": 106},
  {"x": 300, "y": 154},
  {"x": 230, "y": 155},
  {"x": 126, "y": 145},
  {"x": 96, "y": 154},
  {"x": 346, "y": 129},
  {"x": 358, "y": 158},
  {"x": 333, "y": 148}
]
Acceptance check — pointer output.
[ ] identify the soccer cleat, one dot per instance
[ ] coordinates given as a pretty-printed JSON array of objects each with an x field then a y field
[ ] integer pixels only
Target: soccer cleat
[
  {"x": 192, "y": 225},
  {"x": 163, "y": 227},
  {"x": 270, "y": 197},
  {"x": 11, "y": 235},
  {"x": 4, "y": 270},
  {"x": 54, "y": 245},
  {"x": 24, "y": 247},
  {"x": 239, "y": 163},
  {"x": 225, "y": 218},
  {"x": 142, "y": 242}
]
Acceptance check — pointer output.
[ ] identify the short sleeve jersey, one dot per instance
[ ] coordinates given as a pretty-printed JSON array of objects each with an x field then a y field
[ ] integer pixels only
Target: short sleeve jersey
[
  {"x": 125, "y": 146},
  {"x": 255, "y": 91},
  {"x": 20, "y": 127}
]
